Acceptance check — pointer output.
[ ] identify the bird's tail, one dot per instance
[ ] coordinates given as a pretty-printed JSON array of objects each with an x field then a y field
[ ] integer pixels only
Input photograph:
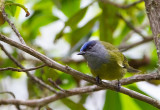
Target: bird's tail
[{"x": 132, "y": 70}]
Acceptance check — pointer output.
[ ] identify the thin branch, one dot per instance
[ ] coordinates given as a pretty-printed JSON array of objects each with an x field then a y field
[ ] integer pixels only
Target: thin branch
[
  {"x": 8, "y": 92},
  {"x": 13, "y": 27},
  {"x": 21, "y": 6},
  {"x": 121, "y": 6},
  {"x": 55, "y": 85},
  {"x": 21, "y": 70},
  {"x": 127, "y": 47},
  {"x": 138, "y": 78},
  {"x": 72, "y": 72},
  {"x": 129, "y": 35},
  {"x": 12, "y": 94},
  {"x": 37, "y": 80},
  {"x": 131, "y": 26}
]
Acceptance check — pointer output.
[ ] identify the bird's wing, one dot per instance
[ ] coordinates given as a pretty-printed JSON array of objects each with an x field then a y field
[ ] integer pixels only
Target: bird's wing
[{"x": 117, "y": 56}]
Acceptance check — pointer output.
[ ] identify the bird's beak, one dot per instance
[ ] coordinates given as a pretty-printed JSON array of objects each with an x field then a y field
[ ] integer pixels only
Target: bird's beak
[{"x": 81, "y": 53}]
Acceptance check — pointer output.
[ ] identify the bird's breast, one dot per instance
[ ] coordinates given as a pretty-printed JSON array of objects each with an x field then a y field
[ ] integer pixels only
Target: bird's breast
[{"x": 96, "y": 62}]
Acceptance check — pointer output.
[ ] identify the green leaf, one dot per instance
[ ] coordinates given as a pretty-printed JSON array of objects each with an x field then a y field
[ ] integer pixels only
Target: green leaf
[
  {"x": 72, "y": 105},
  {"x": 44, "y": 5},
  {"x": 108, "y": 22},
  {"x": 67, "y": 81},
  {"x": 72, "y": 22},
  {"x": 128, "y": 103},
  {"x": 11, "y": 9},
  {"x": 77, "y": 34},
  {"x": 37, "y": 20},
  {"x": 19, "y": 8},
  {"x": 112, "y": 101},
  {"x": 141, "y": 104},
  {"x": 68, "y": 7},
  {"x": 124, "y": 30},
  {"x": 46, "y": 73}
]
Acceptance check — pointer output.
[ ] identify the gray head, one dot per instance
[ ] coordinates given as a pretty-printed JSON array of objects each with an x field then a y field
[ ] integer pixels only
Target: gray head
[{"x": 94, "y": 52}]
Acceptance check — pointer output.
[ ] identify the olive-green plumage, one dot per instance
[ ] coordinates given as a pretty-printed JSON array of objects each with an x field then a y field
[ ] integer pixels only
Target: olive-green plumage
[
  {"x": 105, "y": 60},
  {"x": 116, "y": 67}
]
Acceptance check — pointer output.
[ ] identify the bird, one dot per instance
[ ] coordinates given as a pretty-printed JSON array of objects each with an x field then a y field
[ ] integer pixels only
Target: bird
[{"x": 105, "y": 61}]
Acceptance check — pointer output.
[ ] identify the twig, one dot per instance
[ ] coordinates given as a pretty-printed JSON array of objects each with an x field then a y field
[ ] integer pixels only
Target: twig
[
  {"x": 138, "y": 78},
  {"x": 121, "y": 6},
  {"x": 131, "y": 26},
  {"x": 12, "y": 94},
  {"x": 37, "y": 80},
  {"x": 13, "y": 27},
  {"x": 55, "y": 85},
  {"x": 21, "y": 70},
  {"x": 127, "y": 47},
  {"x": 74, "y": 73},
  {"x": 129, "y": 35},
  {"x": 8, "y": 92},
  {"x": 20, "y": 5}
]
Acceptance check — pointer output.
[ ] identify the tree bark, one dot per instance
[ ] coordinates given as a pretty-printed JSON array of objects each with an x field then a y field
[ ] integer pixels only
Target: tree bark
[{"x": 153, "y": 12}]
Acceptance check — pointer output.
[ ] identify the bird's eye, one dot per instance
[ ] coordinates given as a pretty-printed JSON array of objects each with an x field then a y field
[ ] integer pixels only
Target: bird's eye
[{"x": 89, "y": 47}]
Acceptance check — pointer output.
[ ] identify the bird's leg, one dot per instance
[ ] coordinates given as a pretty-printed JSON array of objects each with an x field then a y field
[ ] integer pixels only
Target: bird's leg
[
  {"x": 118, "y": 85},
  {"x": 98, "y": 80}
]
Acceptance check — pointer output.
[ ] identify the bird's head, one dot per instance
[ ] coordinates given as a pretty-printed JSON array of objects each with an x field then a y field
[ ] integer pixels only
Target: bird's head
[{"x": 89, "y": 47}]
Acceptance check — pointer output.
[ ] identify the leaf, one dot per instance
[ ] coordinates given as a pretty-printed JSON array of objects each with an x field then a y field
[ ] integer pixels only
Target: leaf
[
  {"x": 72, "y": 105},
  {"x": 67, "y": 81},
  {"x": 44, "y": 5},
  {"x": 124, "y": 30},
  {"x": 46, "y": 73},
  {"x": 108, "y": 22},
  {"x": 68, "y": 7},
  {"x": 128, "y": 103},
  {"x": 112, "y": 101},
  {"x": 37, "y": 20},
  {"x": 72, "y": 22},
  {"x": 77, "y": 34},
  {"x": 18, "y": 10},
  {"x": 11, "y": 9},
  {"x": 141, "y": 104}
]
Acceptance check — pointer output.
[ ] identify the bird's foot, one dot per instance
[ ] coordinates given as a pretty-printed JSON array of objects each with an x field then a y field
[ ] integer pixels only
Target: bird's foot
[
  {"x": 98, "y": 80},
  {"x": 118, "y": 86}
]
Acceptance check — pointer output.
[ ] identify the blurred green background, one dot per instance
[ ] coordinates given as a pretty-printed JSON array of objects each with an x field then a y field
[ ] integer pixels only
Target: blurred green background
[{"x": 58, "y": 28}]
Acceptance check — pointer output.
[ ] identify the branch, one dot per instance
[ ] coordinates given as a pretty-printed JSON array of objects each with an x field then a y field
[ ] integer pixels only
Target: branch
[
  {"x": 74, "y": 73},
  {"x": 131, "y": 26},
  {"x": 55, "y": 85},
  {"x": 13, "y": 27},
  {"x": 20, "y": 5},
  {"x": 153, "y": 12},
  {"x": 37, "y": 80},
  {"x": 12, "y": 94},
  {"x": 138, "y": 78},
  {"x": 127, "y": 47},
  {"x": 121, "y": 6},
  {"x": 93, "y": 88},
  {"x": 129, "y": 35},
  {"x": 21, "y": 70}
]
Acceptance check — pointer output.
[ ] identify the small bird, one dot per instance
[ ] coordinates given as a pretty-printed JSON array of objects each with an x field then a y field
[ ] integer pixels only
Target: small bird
[{"x": 105, "y": 61}]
